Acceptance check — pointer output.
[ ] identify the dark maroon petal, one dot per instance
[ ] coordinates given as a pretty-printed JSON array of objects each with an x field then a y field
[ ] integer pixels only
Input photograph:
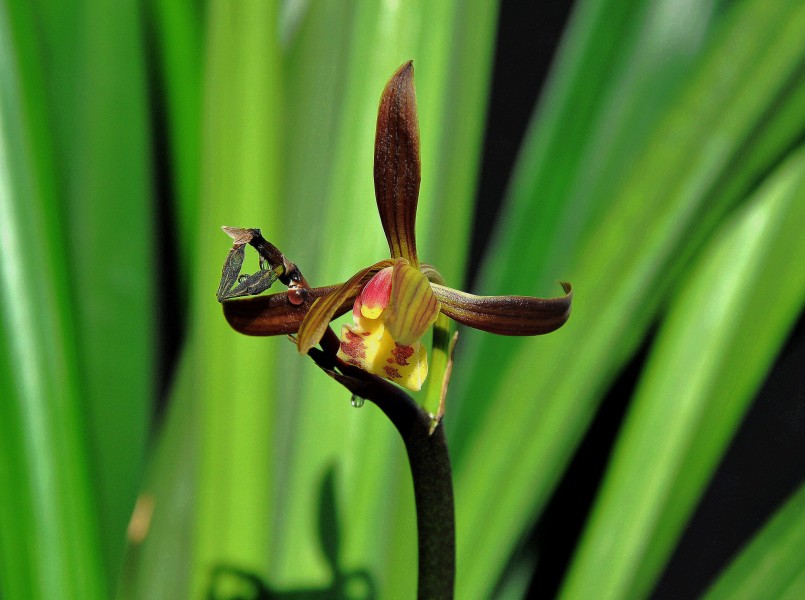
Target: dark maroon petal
[
  {"x": 397, "y": 168},
  {"x": 277, "y": 314},
  {"x": 506, "y": 315}
]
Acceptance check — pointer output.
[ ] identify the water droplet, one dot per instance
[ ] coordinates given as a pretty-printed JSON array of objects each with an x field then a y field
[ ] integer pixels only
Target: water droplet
[
  {"x": 296, "y": 296},
  {"x": 356, "y": 401}
]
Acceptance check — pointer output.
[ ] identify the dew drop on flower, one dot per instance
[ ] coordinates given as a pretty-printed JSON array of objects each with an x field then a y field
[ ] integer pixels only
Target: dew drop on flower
[{"x": 356, "y": 401}]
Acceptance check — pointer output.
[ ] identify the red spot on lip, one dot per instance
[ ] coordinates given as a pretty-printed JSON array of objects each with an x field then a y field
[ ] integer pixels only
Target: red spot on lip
[
  {"x": 392, "y": 373},
  {"x": 353, "y": 346},
  {"x": 402, "y": 354}
]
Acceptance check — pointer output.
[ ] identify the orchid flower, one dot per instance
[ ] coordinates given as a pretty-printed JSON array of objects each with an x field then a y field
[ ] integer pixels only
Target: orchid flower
[{"x": 395, "y": 301}]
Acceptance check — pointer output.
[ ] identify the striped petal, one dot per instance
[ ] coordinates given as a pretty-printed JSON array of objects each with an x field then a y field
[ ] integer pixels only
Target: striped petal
[
  {"x": 326, "y": 308},
  {"x": 397, "y": 168},
  {"x": 413, "y": 307},
  {"x": 506, "y": 315}
]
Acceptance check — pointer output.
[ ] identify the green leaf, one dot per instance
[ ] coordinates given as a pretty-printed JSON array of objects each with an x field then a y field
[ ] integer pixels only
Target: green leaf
[
  {"x": 50, "y": 544},
  {"x": 156, "y": 563},
  {"x": 177, "y": 28},
  {"x": 771, "y": 565},
  {"x": 232, "y": 375},
  {"x": 722, "y": 333},
  {"x": 95, "y": 105},
  {"x": 110, "y": 222},
  {"x": 531, "y": 400}
]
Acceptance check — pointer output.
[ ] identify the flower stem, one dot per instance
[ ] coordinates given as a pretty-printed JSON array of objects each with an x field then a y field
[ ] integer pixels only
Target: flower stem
[
  {"x": 433, "y": 493},
  {"x": 429, "y": 461},
  {"x": 426, "y": 447}
]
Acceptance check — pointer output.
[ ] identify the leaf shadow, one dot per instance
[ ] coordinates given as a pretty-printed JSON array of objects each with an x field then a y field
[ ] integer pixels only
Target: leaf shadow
[{"x": 230, "y": 582}]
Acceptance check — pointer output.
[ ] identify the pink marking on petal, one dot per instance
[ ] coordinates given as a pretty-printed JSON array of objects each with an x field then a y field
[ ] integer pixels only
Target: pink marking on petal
[
  {"x": 356, "y": 307},
  {"x": 375, "y": 294}
]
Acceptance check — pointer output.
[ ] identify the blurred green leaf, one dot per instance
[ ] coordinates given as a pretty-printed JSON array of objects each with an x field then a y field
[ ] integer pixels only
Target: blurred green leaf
[
  {"x": 156, "y": 564},
  {"x": 110, "y": 222},
  {"x": 50, "y": 538},
  {"x": 721, "y": 335},
  {"x": 231, "y": 376},
  {"x": 95, "y": 109},
  {"x": 664, "y": 202},
  {"x": 175, "y": 26},
  {"x": 771, "y": 566}
]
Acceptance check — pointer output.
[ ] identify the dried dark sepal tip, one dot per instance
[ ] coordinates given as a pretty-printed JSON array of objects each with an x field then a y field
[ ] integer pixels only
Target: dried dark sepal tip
[
  {"x": 240, "y": 236},
  {"x": 234, "y": 284},
  {"x": 397, "y": 168},
  {"x": 506, "y": 315},
  {"x": 230, "y": 271},
  {"x": 270, "y": 256}
]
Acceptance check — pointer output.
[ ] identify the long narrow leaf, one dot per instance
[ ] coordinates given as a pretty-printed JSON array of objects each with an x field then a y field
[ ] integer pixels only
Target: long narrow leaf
[
  {"x": 721, "y": 335},
  {"x": 48, "y": 522},
  {"x": 101, "y": 175},
  {"x": 618, "y": 267},
  {"x": 240, "y": 187},
  {"x": 771, "y": 565}
]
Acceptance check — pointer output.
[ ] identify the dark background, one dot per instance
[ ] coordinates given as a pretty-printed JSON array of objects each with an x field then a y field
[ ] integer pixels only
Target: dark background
[{"x": 766, "y": 460}]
